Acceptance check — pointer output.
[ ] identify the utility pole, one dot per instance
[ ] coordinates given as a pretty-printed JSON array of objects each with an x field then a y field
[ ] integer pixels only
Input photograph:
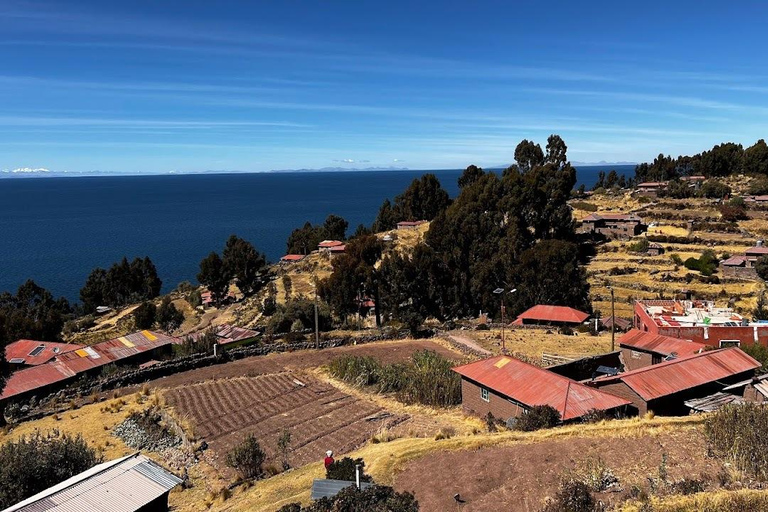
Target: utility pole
[
  {"x": 317, "y": 327},
  {"x": 503, "y": 343},
  {"x": 613, "y": 324}
]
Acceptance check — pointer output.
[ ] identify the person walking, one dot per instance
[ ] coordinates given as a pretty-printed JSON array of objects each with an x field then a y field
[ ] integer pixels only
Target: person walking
[{"x": 328, "y": 459}]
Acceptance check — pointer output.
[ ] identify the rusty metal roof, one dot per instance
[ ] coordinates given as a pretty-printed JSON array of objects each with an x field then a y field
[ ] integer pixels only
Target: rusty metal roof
[
  {"x": 546, "y": 313},
  {"x": 664, "y": 345},
  {"x": 292, "y": 257},
  {"x": 69, "y": 364},
  {"x": 226, "y": 334},
  {"x": 121, "y": 485},
  {"x": 531, "y": 385},
  {"x": 329, "y": 243},
  {"x": 36, "y": 352},
  {"x": 677, "y": 375}
]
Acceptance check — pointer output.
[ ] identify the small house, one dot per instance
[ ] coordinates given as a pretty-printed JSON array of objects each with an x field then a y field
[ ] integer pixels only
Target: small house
[
  {"x": 130, "y": 484},
  {"x": 410, "y": 224},
  {"x": 665, "y": 387},
  {"x": 507, "y": 388},
  {"x": 327, "y": 245},
  {"x": 651, "y": 188},
  {"x": 618, "y": 324},
  {"x": 640, "y": 349},
  {"x": 291, "y": 258},
  {"x": 551, "y": 315},
  {"x": 655, "y": 249},
  {"x": 613, "y": 225}
]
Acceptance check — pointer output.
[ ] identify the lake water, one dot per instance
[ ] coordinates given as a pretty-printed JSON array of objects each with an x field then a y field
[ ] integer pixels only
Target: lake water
[{"x": 56, "y": 230}]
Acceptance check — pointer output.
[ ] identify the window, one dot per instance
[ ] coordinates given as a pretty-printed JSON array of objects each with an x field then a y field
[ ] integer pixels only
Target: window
[
  {"x": 484, "y": 394},
  {"x": 729, "y": 343}
]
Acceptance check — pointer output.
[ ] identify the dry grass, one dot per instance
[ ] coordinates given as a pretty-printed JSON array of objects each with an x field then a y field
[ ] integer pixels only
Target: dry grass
[
  {"x": 384, "y": 460},
  {"x": 534, "y": 342},
  {"x": 716, "y": 501}
]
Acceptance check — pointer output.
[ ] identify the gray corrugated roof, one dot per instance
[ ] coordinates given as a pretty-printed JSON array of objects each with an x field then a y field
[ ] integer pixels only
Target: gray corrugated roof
[
  {"x": 121, "y": 485},
  {"x": 328, "y": 488}
]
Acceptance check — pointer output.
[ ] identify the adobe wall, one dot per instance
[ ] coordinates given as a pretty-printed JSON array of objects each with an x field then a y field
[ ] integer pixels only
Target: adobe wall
[
  {"x": 738, "y": 272},
  {"x": 498, "y": 405},
  {"x": 634, "y": 359}
]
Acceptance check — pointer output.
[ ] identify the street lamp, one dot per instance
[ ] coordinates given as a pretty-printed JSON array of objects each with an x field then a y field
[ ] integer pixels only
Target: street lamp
[{"x": 500, "y": 293}]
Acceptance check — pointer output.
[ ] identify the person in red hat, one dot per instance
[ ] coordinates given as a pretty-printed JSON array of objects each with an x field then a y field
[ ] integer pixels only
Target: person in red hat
[{"x": 328, "y": 459}]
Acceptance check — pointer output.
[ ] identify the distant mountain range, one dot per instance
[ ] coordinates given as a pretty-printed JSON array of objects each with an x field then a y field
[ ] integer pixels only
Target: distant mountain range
[
  {"x": 601, "y": 162},
  {"x": 28, "y": 172}
]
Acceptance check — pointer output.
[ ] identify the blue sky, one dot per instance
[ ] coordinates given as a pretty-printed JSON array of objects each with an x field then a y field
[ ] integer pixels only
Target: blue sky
[{"x": 253, "y": 86}]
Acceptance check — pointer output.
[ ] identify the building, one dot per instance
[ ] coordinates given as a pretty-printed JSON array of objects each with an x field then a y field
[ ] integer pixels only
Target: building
[
  {"x": 32, "y": 353},
  {"x": 651, "y": 188},
  {"x": 129, "y": 484},
  {"x": 619, "y": 324},
  {"x": 551, "y": 315},
  {"x": 327, "y": 245},
  {"x": 410, "y": 224},
  {"x": 45, "y": 378},
  {"x": 743, "y": 266},
  {"x": 613, "y": 225},
  {"x": 291, "y": 258},
  {"x": 507, "y": 388},
  {"x": 640, "y": 349},
  {"x": 230, "y": 336},
  {"x": 665, "y": 387},
  {"x": 698, "y": 321},
  {"x": 337, "y": 249},
  {"x": 655, "y": 249}
]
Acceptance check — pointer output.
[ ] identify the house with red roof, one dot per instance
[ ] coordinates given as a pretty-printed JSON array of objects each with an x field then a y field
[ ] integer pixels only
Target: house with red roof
[
  {"x": 291, "y": 258},
  {"x": 665, "y": 387},
  {"x": 542, "y": 314},
  {"x": 640, "y": 349},
  {"x": 507, "y": 388},
  {"x": 32, "y": 353},
  {"x": 410, "y": 224}
]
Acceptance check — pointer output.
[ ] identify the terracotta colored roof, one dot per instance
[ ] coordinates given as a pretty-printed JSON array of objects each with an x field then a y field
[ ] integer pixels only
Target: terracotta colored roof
[
  {"x": 72, "y": 363},
  {"x": 664, "y": 345},
  {"x": 326, "y": 244},
  {"x": 757, "y": 250},
  {"x": 677, "y": 375},
  {"x": 761, "y": 198},
  {"x": 292, "y": 257},
  {"x": 545, "y": 313},
  {"x": 531, "y": 385},
  {"x": 735, "y": 261},
  {"x": 31, "y": 352},
  {"x": 338, "y": 248},
  {"x": 407, "y": 223},
  {"x": 652, "y": 184},
  {"x": 693, "y": 178}
]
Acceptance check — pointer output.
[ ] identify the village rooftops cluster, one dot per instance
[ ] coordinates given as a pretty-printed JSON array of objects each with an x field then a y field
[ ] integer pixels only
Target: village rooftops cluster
[
  {"x": 679, "y": 313},
  {"x": 32, "y": 353}
]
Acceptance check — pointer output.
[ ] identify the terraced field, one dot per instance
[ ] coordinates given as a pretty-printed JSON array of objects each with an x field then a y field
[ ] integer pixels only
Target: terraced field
[{"x": 318, "y": 416}]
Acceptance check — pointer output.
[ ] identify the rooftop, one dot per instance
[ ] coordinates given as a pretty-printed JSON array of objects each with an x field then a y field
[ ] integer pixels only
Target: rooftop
[
  {"x": 121, "y": 485},
  {"x": 325, "y": 244},
  {"x": 32, "y": 353},
  {"x": 226, "y": 334},
  {"x": 548, "y": 313},
  {"x": 292, "y": 257},
  {"x": 664, "y": 345},
  {"x": 531, "y": 385},
  {"x": 686, "y": 313},
  {"x": 677, "y": 375}
]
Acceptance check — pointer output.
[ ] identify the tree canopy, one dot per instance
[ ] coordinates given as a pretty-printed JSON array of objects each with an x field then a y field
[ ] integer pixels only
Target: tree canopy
[
  {"x": 241, "y": 262},
  {"x": 124, "y": 283},
  {"x": 305, "y": 239},
  {"x": 424, "y": 199}
]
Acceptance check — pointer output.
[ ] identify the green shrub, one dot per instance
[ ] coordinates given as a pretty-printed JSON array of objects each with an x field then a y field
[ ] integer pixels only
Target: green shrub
[
  {"x": 732, "y": 213},
  {"x": 168, "y": 316},
  {"x": 34, "y": 463},
  {"x": 759, "y": 352},
  {"x": 676, "y": 259},
  {"x": 639, "y": 246},
  {"x": 572, "y": 496},
  {"x": 344, "y": 469},
  {"x": 706, "y": 263},
  {"x": 585, "y": 206},
  {"x": 247, "y": 458},
  {"x": 738, "y": 432},
  {"x": 715, "y": 189},
  {"x": 144, "y": 315},
  {"x": 537, "y": 418}
]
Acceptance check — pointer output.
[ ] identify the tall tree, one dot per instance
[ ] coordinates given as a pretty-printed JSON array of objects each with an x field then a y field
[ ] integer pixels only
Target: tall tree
[
  {"x": 335, "y": 228},
  {"x": 722, "y": 160},
  {"x": 424, "y": 199},
  {"x": 124, "y": 283},
  {"x": 756, "y": 158},
  {"x": 470, "y": 175},
  {"x": 528, "y": 155},
  {"x": 243, "y": 263},
  {"x": 213, "y": 276}
]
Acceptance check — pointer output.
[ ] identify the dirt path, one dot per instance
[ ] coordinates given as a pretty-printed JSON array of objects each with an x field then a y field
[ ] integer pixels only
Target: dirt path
[
  {"x": 469, "y": 343},
  {"x": 520, "y": 477}
]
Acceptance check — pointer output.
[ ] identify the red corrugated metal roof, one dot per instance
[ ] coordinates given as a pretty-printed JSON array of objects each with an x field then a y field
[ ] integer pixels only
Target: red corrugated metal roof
[
  {"x": 735, "y": 261},
  {"x": 665, "y": 345},
  {"x": 292, "y": 257},
  {"x": 689, "y": 372},
  {"x": 226, "y": 334},
  {"x": 531, "y": 385},
  {"x": 70, "y": 364},
  {"x": 756, "y": 250},
  {"x": 546, "y": 313},
  {"x": 22, "y": 349},
  {"x": 338, "y": 248}
]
